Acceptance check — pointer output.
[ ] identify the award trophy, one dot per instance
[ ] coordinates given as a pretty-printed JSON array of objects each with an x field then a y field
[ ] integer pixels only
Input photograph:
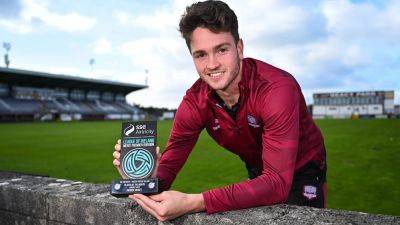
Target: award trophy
[{"x": 138, "y": 159}]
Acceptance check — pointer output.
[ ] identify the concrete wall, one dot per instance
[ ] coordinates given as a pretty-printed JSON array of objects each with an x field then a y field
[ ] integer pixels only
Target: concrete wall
[{"x": 26, "y": 199}]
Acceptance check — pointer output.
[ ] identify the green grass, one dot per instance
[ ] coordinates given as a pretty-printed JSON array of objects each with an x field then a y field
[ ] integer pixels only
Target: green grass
[
  {"x": 363, "y": 164},
  {"x": 363, "y": 158}
]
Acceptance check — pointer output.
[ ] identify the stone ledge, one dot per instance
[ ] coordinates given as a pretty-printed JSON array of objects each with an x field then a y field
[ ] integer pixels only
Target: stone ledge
[{"x": 29, "y": 199}]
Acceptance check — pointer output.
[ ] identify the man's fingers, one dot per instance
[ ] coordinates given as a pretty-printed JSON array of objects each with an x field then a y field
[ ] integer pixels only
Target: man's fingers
[
  {"x": 148, "y": 201},
  {"x": 116, "y": 155},
  {"x": 116, "y": 162},
  {"x": 117, "y": 147},
  {"x": 118, "y": 167},
  {"x": 147, "y": 208},
  {"x": 158, "y": 197},
  {"x": 154, "y": 208}
]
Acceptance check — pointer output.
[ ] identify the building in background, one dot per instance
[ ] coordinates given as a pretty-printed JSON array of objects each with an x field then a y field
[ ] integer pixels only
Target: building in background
[
  {"x": 168, "y": 115},
  {"x": 29, "y": 96},
  {"x": 397, "y": 111},
  {"x": 363, "y": 104}
]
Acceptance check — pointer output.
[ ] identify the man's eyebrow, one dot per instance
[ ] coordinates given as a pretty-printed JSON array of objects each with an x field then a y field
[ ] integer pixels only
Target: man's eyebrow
[
  {"x": 215, "y": 48},
  {"x": 197, "y": 52},
  {"x": 221, "y": 45}
]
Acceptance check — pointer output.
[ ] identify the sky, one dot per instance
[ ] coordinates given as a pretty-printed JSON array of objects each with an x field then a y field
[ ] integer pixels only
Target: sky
[{"x": 333, "y": 45}]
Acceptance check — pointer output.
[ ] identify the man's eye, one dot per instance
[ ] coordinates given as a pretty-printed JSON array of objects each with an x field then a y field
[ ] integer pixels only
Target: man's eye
[
  {"x": 222, "y": 50},
  {"x": 199, "y": 55}
]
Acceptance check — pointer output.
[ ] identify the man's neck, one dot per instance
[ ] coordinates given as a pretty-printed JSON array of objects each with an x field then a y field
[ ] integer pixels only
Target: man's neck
[{"x": 229, "y": 99}]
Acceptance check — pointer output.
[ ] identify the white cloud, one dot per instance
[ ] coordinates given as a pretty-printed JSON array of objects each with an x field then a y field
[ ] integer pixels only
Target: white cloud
[
  {"x": 102, "y": 46},
  {"x": 70, "y": 71},
  {"x": 16, "y": 26},
  {"x": 363, "y": 20},
  {"x": 34, "y": 12},
  {"x": 354, "y": 57},
  {"x": 274, "y": 22},
  {"x": 121, "y": 16},
  {"x": 69, "y": 22}
]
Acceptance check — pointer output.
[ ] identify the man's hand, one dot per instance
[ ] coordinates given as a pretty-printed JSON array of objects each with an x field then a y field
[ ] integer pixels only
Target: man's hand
[
  {"x": 117, "y": 156},
  {"x": 170, "y": 204}
]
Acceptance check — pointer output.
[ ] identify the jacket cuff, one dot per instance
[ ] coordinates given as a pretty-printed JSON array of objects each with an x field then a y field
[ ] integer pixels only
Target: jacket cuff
[{"x": 207, "y": 202}]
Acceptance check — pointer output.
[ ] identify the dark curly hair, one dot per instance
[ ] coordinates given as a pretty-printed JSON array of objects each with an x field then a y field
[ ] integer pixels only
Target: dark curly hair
[{"x": 213, "y": 15}]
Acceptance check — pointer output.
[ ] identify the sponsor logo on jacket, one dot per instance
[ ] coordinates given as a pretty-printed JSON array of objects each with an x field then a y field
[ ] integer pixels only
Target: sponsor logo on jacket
[
  {"x": 252, "y": 121},
  {"x": 216, "y": 124}
]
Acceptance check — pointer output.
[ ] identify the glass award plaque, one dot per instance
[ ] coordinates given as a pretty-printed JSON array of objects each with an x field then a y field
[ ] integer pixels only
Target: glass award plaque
[{"x": 138, "y": 159}]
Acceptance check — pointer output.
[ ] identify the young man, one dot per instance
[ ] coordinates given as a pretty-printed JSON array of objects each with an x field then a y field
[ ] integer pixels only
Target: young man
[{"x": 250, "y": 108}]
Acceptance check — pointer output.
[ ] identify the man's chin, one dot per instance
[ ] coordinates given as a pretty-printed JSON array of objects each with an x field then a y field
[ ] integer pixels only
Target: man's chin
[{"x": 218, "y": 87}]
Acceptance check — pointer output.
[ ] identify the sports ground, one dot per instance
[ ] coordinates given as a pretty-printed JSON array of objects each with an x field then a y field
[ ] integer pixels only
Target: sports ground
[{"x": 363, "y": 158}]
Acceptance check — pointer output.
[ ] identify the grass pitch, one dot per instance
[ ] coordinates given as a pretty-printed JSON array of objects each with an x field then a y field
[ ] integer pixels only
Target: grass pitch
[{"x": 363, "y": 158}]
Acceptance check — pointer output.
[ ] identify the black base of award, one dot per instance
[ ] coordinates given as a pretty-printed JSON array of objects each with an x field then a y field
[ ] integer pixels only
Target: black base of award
[{"x": 123, "y": 188}]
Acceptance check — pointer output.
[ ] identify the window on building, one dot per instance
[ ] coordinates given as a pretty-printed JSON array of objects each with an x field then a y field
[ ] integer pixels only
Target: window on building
[
  {"x": 93, "y": 95},
  {"x": 32, "y": 93},
  {"x": 357, "y": 100},
  {"x": 377, "y": 100},
  {"x": 60, "y": 93},
  {"x": 3, "y": 89},
  {"x": 120, "y": 97},
  {"x": 107, "y": 96},
  {"x": 341, "y": 101},
  {"x": 77, "y": 94}
]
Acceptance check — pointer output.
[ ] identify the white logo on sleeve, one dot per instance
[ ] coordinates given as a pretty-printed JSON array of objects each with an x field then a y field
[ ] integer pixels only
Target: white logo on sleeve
[{"x": 310, "y": 192}]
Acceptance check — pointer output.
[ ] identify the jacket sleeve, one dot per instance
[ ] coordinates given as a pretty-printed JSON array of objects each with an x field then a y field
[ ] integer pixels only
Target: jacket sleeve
[
  {"x": 184, "y": 134},
  {"x": 279, "y": 110}
]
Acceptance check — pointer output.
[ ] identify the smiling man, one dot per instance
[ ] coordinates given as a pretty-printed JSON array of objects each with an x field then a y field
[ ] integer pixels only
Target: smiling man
[{"x": 253, "y": 109}]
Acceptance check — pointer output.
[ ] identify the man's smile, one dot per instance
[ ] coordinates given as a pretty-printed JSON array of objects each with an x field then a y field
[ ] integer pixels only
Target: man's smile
[{"x": 216, "y": 74}]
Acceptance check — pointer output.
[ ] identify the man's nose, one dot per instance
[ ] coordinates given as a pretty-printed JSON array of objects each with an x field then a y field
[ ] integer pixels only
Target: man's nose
[{"x": 213, "y": 62}]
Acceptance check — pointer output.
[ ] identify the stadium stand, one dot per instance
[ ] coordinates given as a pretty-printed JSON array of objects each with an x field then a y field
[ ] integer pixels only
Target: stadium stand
[{"x": 29, "y": 95}]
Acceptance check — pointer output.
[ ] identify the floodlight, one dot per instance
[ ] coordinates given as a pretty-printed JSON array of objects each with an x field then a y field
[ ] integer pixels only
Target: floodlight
[{"x": 7, "y": 46}]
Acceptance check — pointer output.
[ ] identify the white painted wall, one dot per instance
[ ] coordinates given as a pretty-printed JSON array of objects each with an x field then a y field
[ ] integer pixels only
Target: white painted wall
[
  {"x": 375, "y": 109},
  {"x": 346, "y": 111},
  {"x": 388, "y": 105},
  {"x": 319, "y": 110}
]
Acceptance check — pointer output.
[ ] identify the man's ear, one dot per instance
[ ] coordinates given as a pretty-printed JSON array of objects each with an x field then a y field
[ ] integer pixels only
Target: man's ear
[{"x": 239, "y": 47}]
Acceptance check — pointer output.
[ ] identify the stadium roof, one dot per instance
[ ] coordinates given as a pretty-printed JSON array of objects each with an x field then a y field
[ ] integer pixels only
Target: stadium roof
[{"x": 49, "y": 80}]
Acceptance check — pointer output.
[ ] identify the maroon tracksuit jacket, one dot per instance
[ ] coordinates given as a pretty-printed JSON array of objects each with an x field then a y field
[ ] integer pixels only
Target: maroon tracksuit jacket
[{"x": 273, "y": 134}]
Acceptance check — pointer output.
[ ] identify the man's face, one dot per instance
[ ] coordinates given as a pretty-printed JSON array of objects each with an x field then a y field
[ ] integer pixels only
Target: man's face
[{"x": 217, "y": 58}]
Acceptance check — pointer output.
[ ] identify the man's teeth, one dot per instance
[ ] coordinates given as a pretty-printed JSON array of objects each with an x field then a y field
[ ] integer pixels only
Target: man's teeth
[{"x": 215, "y": 74}]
